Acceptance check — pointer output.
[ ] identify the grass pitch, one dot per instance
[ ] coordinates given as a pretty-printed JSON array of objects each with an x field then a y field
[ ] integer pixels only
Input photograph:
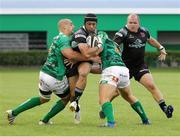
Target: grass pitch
[{"x": 19, "y": 84}]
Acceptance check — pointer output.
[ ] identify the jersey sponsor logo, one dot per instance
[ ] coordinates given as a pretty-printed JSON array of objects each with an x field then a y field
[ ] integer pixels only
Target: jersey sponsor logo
[
  {"x": 80, "y": 36},
  {"x": 137, "y": 44},
  {"x": 115, "y": 79},
  {"x": 74, "y": 44},
  {"x": 50, "y": 64},
  {"x": 131, "y": 36},
  {"x": 143, "y": 70},
  {"x": 142, "y": 34},
  {"x": 123, "y": 75}
]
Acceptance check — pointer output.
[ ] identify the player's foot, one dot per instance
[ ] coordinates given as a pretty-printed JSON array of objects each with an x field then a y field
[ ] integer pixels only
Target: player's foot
[
  {"x": 77, "y": 117},
  {"x": 169, "y": 111},
  {"x": 109, "y": 124},
  {"x": 102, "y": 115},
  {"x": 45, "y": 123},
  {"x": 10, "y": 117},
  {"x": 146, "y": 122},
  {"x": 73, "y": 106}
]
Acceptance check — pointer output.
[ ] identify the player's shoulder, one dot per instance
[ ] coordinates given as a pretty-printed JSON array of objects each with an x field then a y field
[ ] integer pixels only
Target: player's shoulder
[
  {"x": 122, "y": 32},
  {"x": 144, "y": 29},
  {"x": 61, "y": 38},
  {"x": 80, "y": 33}
]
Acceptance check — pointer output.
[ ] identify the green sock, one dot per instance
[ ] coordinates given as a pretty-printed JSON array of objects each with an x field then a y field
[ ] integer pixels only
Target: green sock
[
  {"x": 108, "y": 111},
  {"x": 54, "y": 110},
  {"x": 30, "y": 103},
  {"x": 139, "y": 109}
]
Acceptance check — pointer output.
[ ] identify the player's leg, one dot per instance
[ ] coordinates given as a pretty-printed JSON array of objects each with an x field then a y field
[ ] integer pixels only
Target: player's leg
[
  {"x": 115, "y": 94},
  {"x": 135, "y": 104},
  {"x": 105, "y": 94},
  {"x": 56, "y": 108},
  {"x": 44, "y": 97},
  {"x": 126, "y": 93},
  {"x": 147, "y": 81},
  {"x": 61, "y": 89},
  {"x": 72, "y": 83},
  {"x": 83, "y": 71},
  {"x": 107, "y": 88},
  {"x": 73, "y": 106}
]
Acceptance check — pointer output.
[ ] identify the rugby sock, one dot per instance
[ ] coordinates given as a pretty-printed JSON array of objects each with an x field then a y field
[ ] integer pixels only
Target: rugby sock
[
  {"x": 54, "y": 110},
  {"x": 139, "y": 109},
  {"x": 108, "y": 111},
  {"x": 78, "y": 93},
  {"x": 30, "y": 103},
  {"x": 163, "y": 105}
]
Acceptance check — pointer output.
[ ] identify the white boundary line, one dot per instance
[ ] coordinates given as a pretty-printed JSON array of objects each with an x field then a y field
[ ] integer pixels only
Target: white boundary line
[
  {"x": 91, "y": 10},
  {"x": 89, "y": 136}
]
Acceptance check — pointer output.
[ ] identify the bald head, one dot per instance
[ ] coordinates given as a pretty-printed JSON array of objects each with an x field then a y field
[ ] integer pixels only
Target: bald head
[
  {"x": 133, "y": 22},
  {"x": 65, "y": 26},
  {"x": 133, "y": 16}
]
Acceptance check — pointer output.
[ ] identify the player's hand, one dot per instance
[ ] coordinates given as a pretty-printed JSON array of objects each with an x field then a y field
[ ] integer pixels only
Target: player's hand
[
  {"x": 69, "y": 62},
  {"x": 163, "y": 53}
]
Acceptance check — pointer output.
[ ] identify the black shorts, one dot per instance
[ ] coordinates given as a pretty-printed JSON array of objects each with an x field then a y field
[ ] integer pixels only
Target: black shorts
[
  {"x": 139, "y": 71},
  {"x": 74, "y": 70}
]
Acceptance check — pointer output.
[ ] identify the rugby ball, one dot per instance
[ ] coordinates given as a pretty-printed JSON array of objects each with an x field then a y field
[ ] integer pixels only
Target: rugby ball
[{"x": 92, "y": 40}]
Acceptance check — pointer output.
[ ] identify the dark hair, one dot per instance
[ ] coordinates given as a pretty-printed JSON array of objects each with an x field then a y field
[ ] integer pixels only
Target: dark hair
[{"x": 90, "y": 17}]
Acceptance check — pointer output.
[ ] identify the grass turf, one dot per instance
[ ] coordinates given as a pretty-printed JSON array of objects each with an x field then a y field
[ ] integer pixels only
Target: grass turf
[{"x": 19, "y": 84}]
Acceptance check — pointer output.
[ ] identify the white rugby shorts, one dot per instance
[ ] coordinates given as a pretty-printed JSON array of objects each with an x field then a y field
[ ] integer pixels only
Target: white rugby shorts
[
  {"x": 116, "y": 75},
  {"x": 48, "y": 83}
]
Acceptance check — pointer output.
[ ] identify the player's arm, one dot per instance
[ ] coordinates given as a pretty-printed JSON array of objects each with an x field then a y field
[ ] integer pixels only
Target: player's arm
[
  {"x": 119, "y": 37},
  {"x": 88, "y": 51},
  {"x": 84, "y": 48},
  {"x": 153, "y": 42},
  {"x": 73, "y": 55}
]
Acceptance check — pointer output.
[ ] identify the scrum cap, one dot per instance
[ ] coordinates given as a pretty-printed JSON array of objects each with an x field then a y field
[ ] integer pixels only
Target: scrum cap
[{"x": 90, "y": 17}]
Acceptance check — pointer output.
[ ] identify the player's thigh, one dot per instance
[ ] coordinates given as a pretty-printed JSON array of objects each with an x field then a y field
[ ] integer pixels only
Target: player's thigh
[
  {"x": 127, "y": 94},
  {"x": 61, "y": 87},
  {"x": 45, "y": 82},
  {"x": 147, "y": 80},
  {"x": 72, "y": 84},
  {"x": 106, "y": 92},
  {"x": 123, "y": 78},
  {"x": 84, "y": 68}
]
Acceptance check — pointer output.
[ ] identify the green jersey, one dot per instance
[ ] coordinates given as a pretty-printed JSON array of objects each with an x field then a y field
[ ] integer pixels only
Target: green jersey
[
  {"x": 110, "y": 55},
  {"x": 54, "y": 64}
]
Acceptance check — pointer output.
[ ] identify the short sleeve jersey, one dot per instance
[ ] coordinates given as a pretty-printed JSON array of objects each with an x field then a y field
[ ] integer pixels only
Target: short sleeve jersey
[
  {"x": 133, "y": 45},
  {"x": 79, "y": 37},
  {"x": 110, "y": 55},
  {"x": 54, "y": 64}
]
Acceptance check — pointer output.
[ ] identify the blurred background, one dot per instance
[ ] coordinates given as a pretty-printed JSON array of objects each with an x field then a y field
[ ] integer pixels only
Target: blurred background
[{"x": 28, "y": 26}]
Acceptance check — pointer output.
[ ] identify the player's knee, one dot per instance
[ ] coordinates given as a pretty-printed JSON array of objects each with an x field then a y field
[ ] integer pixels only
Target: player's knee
[
  {"x": 66, "y": 99},
  {"x": 83, "y": 74},
  {"x": 82, "y": 79},
  {"x": 45, "y": 96},
  {"x": 84, "y": 70},
  {"x": 44, "y": 100},
  {"x": 151, "y": 87}
]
